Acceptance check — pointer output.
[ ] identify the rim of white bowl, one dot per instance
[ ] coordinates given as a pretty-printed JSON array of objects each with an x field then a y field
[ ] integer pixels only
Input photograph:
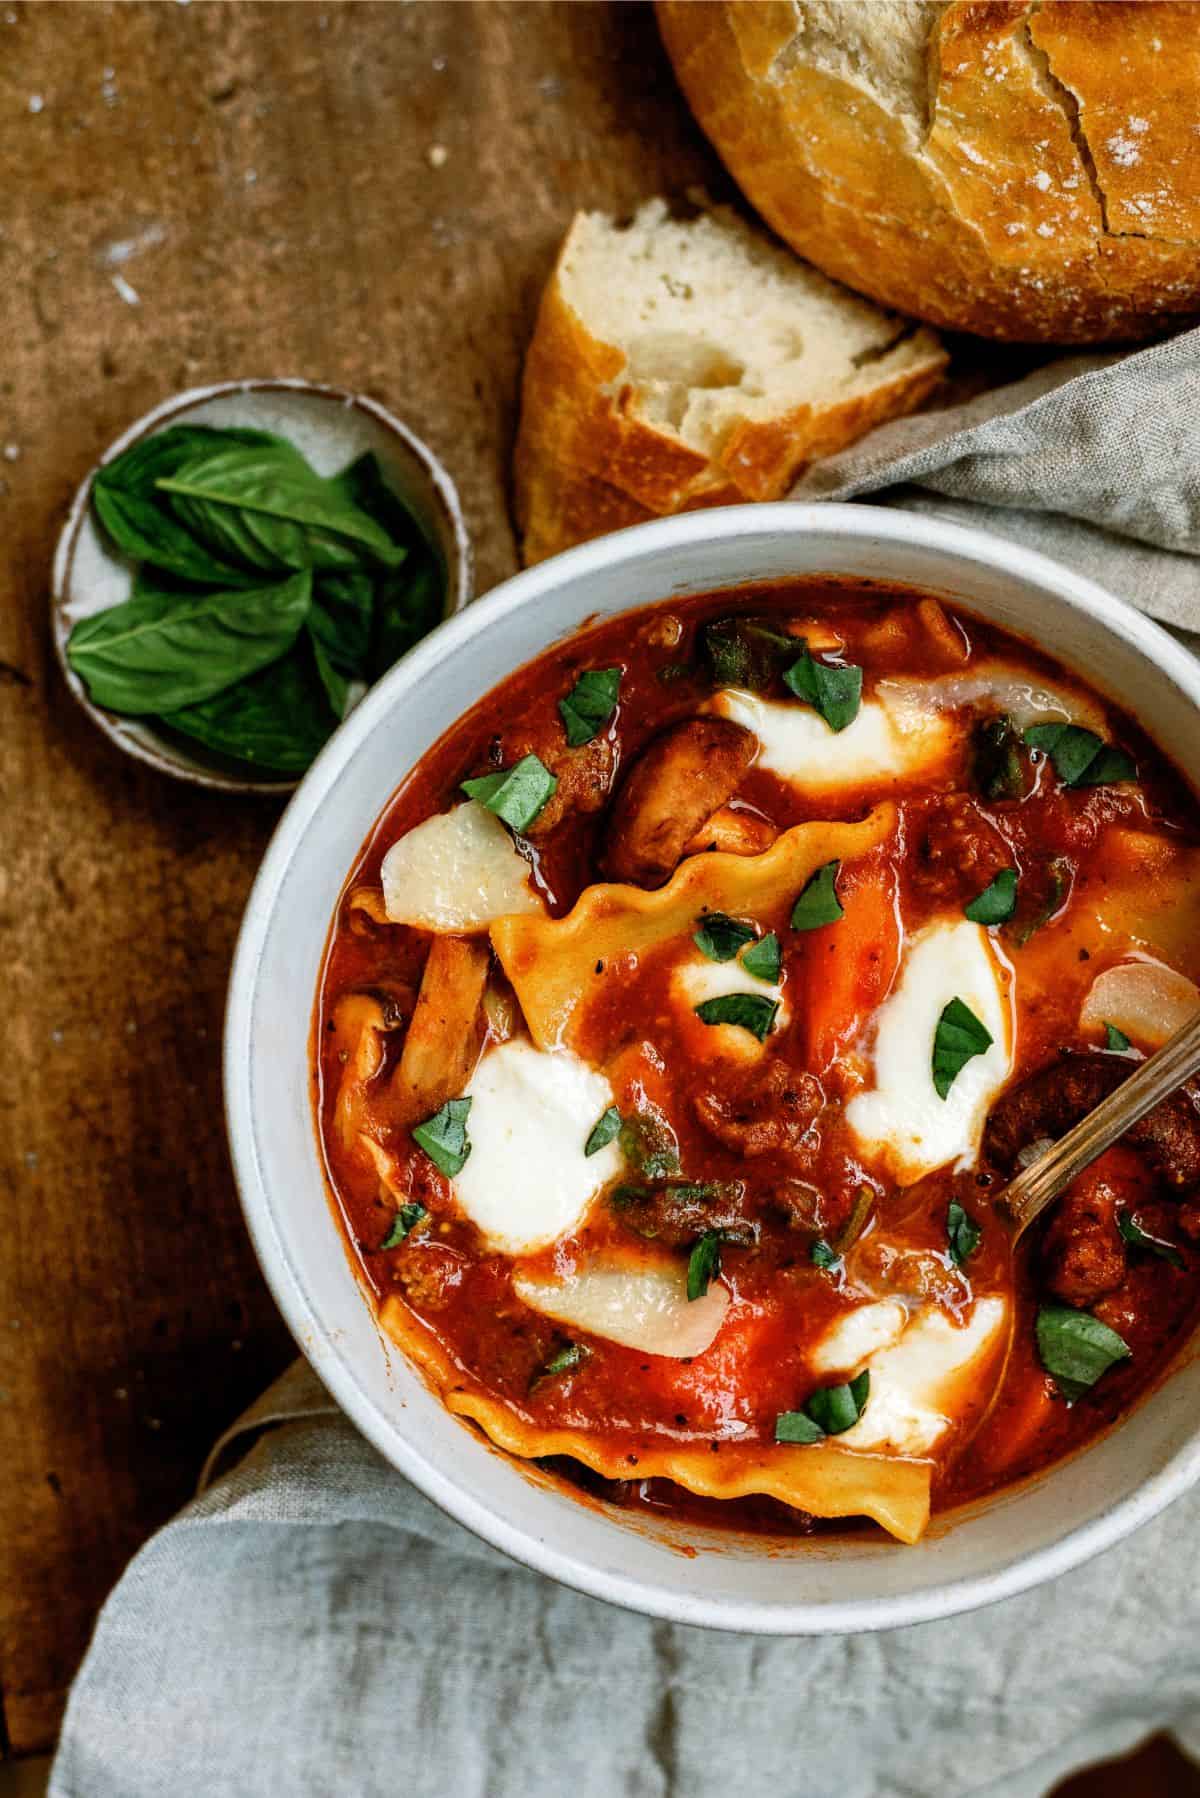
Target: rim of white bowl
[
  {"x": 337, "y": 1371},
  {"x": 155, "y": 752}
]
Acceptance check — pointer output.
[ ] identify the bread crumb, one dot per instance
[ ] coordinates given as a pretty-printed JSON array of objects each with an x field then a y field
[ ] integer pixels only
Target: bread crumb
[
  {"x": 36, "y": 102},
  {"x": 436, "y": 156},
  {"x": 126, "y": 289}
]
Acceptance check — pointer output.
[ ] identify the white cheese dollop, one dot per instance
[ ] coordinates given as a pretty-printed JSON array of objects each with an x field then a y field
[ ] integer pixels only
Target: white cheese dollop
[
  {"x": 527, "y": 1179},
  {"x": 698, "y": 979},
  {"x": 926, "y": 1379},
  {"x": 903, "y": 1115},
  {"x": 886, "y": 740}
]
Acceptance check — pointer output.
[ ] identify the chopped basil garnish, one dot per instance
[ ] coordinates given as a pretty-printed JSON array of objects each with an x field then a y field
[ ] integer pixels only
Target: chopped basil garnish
[
  {"x": 704, "y": 1264},
  {"x": 959, "y": 1037},
  {"x": 999, "y": 772},
  {"x": 606, "y": 1127},
  {"x": 830, "y": 1411},
  {"x": 1056, "y": 891},
  {"x": 1137, "y": 1238},
  {"x": 746, "y": 652},
  {"x": 998, "y": 900},
  {"x": 749, "y": 1010},
  {"x": 818, "y": 902},
  {"x": 569, "y": 1357},
  {"x": 1115, "y": 1040},
  {"x": 403, "y": 1224},
  {"x": 1080, "y": 758},
  {"x": 517, "y": 794},
  {"x": 856, "y": 1223},
  {"x": 649, "y": 1145},
  {"x": 590, "y": 704},
  {"x": 835, "y": 692},
  {"x": 962, "y": 1233},
  {"x": 764, "y": 958},
  {"x": 823, "y": 1254},
  {"x": 1076, "y": 1348},
  {"x": 720, "y": 936},
  {"x": 444, "y": 1137}
]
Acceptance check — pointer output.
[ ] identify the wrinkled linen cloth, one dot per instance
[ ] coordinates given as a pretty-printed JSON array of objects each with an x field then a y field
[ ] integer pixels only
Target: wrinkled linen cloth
[{"x": 312, "y": 1625}]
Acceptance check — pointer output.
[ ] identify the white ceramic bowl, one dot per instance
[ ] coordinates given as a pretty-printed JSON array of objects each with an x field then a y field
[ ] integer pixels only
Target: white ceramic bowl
[{"x": 1000, "y": 1546}]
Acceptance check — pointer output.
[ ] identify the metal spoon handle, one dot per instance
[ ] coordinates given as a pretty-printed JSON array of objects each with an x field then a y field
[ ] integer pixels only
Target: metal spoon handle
[{"x": 1031, "y": 1191}]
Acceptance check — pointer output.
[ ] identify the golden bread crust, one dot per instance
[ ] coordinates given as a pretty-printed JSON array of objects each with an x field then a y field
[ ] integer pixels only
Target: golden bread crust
[{"x": 1052, "y": 193}]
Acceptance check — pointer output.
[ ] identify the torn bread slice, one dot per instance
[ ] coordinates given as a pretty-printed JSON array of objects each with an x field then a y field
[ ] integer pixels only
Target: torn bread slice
[{"x": 683, "y": 363}]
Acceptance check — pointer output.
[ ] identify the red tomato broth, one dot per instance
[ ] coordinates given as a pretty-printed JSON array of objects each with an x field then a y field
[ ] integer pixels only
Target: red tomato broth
[{"x": 949, "y": 845}]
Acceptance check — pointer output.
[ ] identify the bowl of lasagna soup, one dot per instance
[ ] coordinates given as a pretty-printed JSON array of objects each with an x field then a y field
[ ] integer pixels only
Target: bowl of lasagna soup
[{"x": 639, "y": 1010}]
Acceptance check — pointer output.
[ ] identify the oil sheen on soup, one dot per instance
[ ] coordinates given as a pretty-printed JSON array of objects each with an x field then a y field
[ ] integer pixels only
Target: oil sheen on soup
[{"x": 689, "y": 1004}]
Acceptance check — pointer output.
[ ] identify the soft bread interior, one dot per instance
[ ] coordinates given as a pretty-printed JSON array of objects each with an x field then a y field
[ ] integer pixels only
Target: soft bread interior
[{"x": 719, "y": 325}]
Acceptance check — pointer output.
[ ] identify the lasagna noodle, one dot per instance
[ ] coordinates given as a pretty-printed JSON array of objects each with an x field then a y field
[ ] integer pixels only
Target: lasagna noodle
[
  {"x": 825, "y": 1480},
  {"x": 552, "y": 963}
]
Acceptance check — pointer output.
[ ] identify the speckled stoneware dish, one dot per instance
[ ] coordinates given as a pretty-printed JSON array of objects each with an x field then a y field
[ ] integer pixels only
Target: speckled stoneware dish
[
  {"x": 330, "y": 428},
  {"x": 1026, "y": 1533}
]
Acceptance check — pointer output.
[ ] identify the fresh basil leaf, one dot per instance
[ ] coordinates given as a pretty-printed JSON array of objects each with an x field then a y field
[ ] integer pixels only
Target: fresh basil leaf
[
  {"x": 720, "y": 936},
  {"x": 604, "y": 1130},
  {"x": 517, "y": 795},
  {"x": 829, "y": 1411},
  {"x": 341, "y": 621},
  {"x": 403, "y": 1224},
  {"x": 818, "y": 903},
  {"x": 444, "y": 1137},
  {"x": 411, "y": 599},
  {"x": 797, "y": 1427},
  {"x": 590, "y": 704},
  {"x": 764, "y": 958},
  {"x": 409, "y": 602},
  {"x": 823, "y": 1254},
  {"x": 959, "y": 1037},
  {"x": 568, "y": 1358},
  {"x": 704, "y": 1264},
  {"x": 1079, "y": 756},
  {"x": 649, "y": 1145},
  {"x": 962, "y": 1233},
  {"x": 998, "y": 900},
  {"x": 835, "y": 692},
  {"x": 1138, "y": 1238},
  {"x": 276, "y": 721},
  {"x": 335, "y": 683},
  {"x": 1076, "y": 1348},
  {"x": 265, "y": 507},
  {"x": 1115, "y": 1041},
  {"x": 1057, "y": 886},
  {"x": 998, "y": 770},
  {"x": 746, "y": 652},
  {"x": 140, "y": 524},
  {"x": 158, "y": 651},
  {"x": 751, "y": 1011}
]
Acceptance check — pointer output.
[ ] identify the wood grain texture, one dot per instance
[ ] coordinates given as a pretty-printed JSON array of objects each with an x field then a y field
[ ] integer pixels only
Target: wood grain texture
[{"x": 259, "y": 179}]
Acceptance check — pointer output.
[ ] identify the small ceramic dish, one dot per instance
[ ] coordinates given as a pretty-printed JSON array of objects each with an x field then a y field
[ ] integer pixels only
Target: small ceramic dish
[
  {"x": 330, "y": 428},
  {"x": 1005, "y": 1544}
]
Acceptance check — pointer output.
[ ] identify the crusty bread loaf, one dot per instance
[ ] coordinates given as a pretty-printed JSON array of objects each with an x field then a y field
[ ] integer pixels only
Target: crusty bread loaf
[
  {"x": 683, "y": 363},
  {"x": 1021, "y": 170}
]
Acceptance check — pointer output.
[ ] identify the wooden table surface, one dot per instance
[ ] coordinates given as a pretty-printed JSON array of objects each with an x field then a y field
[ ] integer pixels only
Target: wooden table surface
[{"x": 193, "y": 192}]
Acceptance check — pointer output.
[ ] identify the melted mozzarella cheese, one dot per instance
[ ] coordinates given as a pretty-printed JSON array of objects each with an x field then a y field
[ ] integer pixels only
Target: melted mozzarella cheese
[
  {"x": 527, "y": 1179},
  {"x": 903, "y": 1115},
  {"x": 927, "y": 1379},
  {"x": 889, "y": 737},
  {"x": 698, "y": 979},
  {"x": 857, "y": 1335},
  {"x": 458, "y": 871},
  {"x": 643, "y": 1305}
]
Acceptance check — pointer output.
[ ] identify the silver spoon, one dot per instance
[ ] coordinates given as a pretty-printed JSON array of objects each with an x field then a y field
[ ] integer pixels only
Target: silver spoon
[{"x": 1027, "y": 1195}]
